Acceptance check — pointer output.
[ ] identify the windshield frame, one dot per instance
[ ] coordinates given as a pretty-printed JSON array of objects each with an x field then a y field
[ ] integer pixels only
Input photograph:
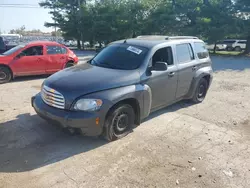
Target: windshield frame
[
  {"x": 13, "y": 50},
  {"x": 145, "y": 52}
]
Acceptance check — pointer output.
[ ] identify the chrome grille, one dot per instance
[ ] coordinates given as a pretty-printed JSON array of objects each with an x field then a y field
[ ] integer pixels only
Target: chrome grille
[{"x": 52, "y": 97}]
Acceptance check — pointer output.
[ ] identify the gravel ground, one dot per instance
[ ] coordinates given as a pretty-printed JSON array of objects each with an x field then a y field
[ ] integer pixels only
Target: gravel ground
[{"x": 183, "y": 146}]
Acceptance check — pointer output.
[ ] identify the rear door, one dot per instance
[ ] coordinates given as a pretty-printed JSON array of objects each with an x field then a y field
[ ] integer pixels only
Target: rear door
[
  {"x": 56, "y": 58},
  {"x": 187, "y": 66},
  {"x": 30, "y": 61}
]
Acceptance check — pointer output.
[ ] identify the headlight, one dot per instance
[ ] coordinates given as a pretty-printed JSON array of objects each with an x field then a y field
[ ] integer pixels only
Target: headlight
[{"x": 88, "y": 104}]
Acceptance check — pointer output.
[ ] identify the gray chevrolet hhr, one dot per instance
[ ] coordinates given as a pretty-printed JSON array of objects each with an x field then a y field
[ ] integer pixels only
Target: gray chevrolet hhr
[{"x": 124, "y": 83}]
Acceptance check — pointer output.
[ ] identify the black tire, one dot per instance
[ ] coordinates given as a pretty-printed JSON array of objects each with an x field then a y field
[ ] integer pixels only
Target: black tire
[
  {"x": 119, "y": 122},
  {"x": 238, "y": 49},
  {"x": 69, "y": 64},
  {"x": 200, "y": 91},
  {"x": 5, "y": 75}
]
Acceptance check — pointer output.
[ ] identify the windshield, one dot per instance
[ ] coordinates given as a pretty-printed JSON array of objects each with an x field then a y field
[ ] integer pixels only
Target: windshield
[
  {"x": 120, "y": 56},
  {"x": 13, "y": 50}
]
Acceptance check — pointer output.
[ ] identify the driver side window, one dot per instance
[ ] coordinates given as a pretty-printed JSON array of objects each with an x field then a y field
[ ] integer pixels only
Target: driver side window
[
  {"x": 33, "y": 51},
  {"x": 163, "y": 55}
]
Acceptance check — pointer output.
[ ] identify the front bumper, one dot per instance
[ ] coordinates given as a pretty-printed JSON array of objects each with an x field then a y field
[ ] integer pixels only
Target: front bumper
[{"x": 86, "y": 121}]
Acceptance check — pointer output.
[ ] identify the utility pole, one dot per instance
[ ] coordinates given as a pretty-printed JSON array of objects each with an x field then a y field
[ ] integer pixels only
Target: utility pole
[
  {"x": 55, "y": 26},
  {"x": 81, "y": 24}
]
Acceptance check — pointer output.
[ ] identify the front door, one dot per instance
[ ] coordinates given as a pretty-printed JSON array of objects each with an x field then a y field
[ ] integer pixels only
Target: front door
[
  {"x": 187, "y": 66},
  {"x": 30, "y": 61},
  {"x": 163, "y": 84},
  {"x": 56, "y": 58}
]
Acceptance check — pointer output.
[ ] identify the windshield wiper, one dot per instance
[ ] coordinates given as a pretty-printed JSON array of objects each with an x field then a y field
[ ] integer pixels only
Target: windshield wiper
[{"x": 105, "y": 65}]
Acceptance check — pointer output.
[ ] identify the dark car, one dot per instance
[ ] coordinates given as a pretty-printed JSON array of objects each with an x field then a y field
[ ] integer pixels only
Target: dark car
[
  {"x": 2, "y": 45},
  {"x": 124, "y": 83}
]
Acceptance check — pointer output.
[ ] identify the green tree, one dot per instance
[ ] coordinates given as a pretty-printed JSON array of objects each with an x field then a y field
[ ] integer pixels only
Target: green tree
[
  {"x": 243, "y": 13},
  {"x": 67, "y": 16},
  {"x": 20, "y": 31}
]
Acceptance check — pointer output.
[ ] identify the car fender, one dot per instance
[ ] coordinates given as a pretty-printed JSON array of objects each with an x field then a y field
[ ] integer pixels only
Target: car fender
[
  {"x": 202, "y": 72},
  {"x": 140, "y": 92}
]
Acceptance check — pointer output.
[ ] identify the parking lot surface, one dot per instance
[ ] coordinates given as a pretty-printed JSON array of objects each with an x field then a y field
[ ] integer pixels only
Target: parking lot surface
[{"x": 184, "y": 145}]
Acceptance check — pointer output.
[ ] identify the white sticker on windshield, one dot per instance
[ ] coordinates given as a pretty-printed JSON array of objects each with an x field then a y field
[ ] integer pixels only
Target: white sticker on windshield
[{"x": 134, "y": 50}]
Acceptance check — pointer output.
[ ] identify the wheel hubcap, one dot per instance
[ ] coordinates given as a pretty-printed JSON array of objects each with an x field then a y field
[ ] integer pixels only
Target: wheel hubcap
[
  {"x": 201, "y": 91},
  {"x": 3, "y": 75},
  {"x": 122, "y": 122}
]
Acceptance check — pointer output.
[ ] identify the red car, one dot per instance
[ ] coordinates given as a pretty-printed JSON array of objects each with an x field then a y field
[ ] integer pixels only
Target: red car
[{"x": 35, "y": 58}]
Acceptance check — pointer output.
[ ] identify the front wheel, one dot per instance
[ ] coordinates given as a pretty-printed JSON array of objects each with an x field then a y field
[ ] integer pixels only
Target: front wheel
[
  {"x": 200, "y": 91},
  {"x": 119, "y": 122},
  {"x": 5, "y": 75}
]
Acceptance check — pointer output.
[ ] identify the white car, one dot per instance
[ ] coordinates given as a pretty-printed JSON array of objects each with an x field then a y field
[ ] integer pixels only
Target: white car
[
  {"x": 239, "y": 45},
  {"x": 235, "y": 44},
  {"x": 219, "y": 46},
  {"x": 97, "y": 45}
]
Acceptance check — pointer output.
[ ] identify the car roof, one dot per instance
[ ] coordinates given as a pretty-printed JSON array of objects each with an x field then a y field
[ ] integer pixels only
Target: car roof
[
  {"x": 149, "y": 41},
  {"x": 43, "y": 42}
]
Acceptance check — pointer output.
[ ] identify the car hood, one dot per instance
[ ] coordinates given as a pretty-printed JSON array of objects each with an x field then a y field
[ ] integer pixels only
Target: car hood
[
  {"x": 5, "y": 59},
  {"x": 85, "y": 78}
]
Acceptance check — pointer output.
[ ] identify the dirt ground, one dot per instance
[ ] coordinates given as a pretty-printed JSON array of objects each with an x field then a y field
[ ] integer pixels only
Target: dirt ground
[{"x": 182, "y": 146}]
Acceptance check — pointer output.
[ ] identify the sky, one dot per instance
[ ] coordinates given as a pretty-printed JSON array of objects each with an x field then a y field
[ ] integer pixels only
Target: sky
[{"x": 32, "y": 18}]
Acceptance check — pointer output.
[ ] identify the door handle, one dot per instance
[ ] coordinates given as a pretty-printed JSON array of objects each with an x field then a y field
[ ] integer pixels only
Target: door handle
[
  {"x": 194, "y": 68},
  {"x": 62, "y": 58},
  {"x": 171, "y": 74}
]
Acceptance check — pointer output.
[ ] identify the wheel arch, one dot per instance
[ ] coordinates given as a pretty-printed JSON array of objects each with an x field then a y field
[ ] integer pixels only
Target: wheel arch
[
  {"x": 69, "y": 61},
  {"x": 134, "y": 103},
  {"x": 206, "y": 75},
  {"x": 8, "y": 67}
]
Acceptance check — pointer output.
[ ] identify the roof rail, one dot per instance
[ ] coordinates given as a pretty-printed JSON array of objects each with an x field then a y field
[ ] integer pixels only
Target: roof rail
[
  {"x": 180, "y": 37},
  {"x": 162, "y": 37}
]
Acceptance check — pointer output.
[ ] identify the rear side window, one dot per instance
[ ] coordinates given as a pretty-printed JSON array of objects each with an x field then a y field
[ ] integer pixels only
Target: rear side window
[
  {"x": 184, "y": 53},
  {"x": 63, "y": 50},
  {"x": 200, "y": 50},
  {"x": 52, "y": 50}
]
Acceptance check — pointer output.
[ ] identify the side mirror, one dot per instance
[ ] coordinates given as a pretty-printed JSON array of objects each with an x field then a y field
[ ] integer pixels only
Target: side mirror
[
  {"x": 20, "y": 55},
  {"x": 160, "y": 66}
]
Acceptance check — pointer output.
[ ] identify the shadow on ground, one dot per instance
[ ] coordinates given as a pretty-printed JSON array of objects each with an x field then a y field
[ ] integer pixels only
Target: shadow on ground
[
  {"x": 29, "y": 78},
  {"x": 28, "y": 142}
]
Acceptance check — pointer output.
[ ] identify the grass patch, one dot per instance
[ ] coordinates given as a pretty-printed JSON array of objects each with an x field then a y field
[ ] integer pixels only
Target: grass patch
[{"x": 227, "y": 53}]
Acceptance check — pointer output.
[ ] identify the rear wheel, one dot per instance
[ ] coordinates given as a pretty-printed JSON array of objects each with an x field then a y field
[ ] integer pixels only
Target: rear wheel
[
  {"x": 200, "y": 91},
  {"x": 5, "y": 75},
  {"x": 69, "y": 64},
  {"x": 119, "y": 122}
]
